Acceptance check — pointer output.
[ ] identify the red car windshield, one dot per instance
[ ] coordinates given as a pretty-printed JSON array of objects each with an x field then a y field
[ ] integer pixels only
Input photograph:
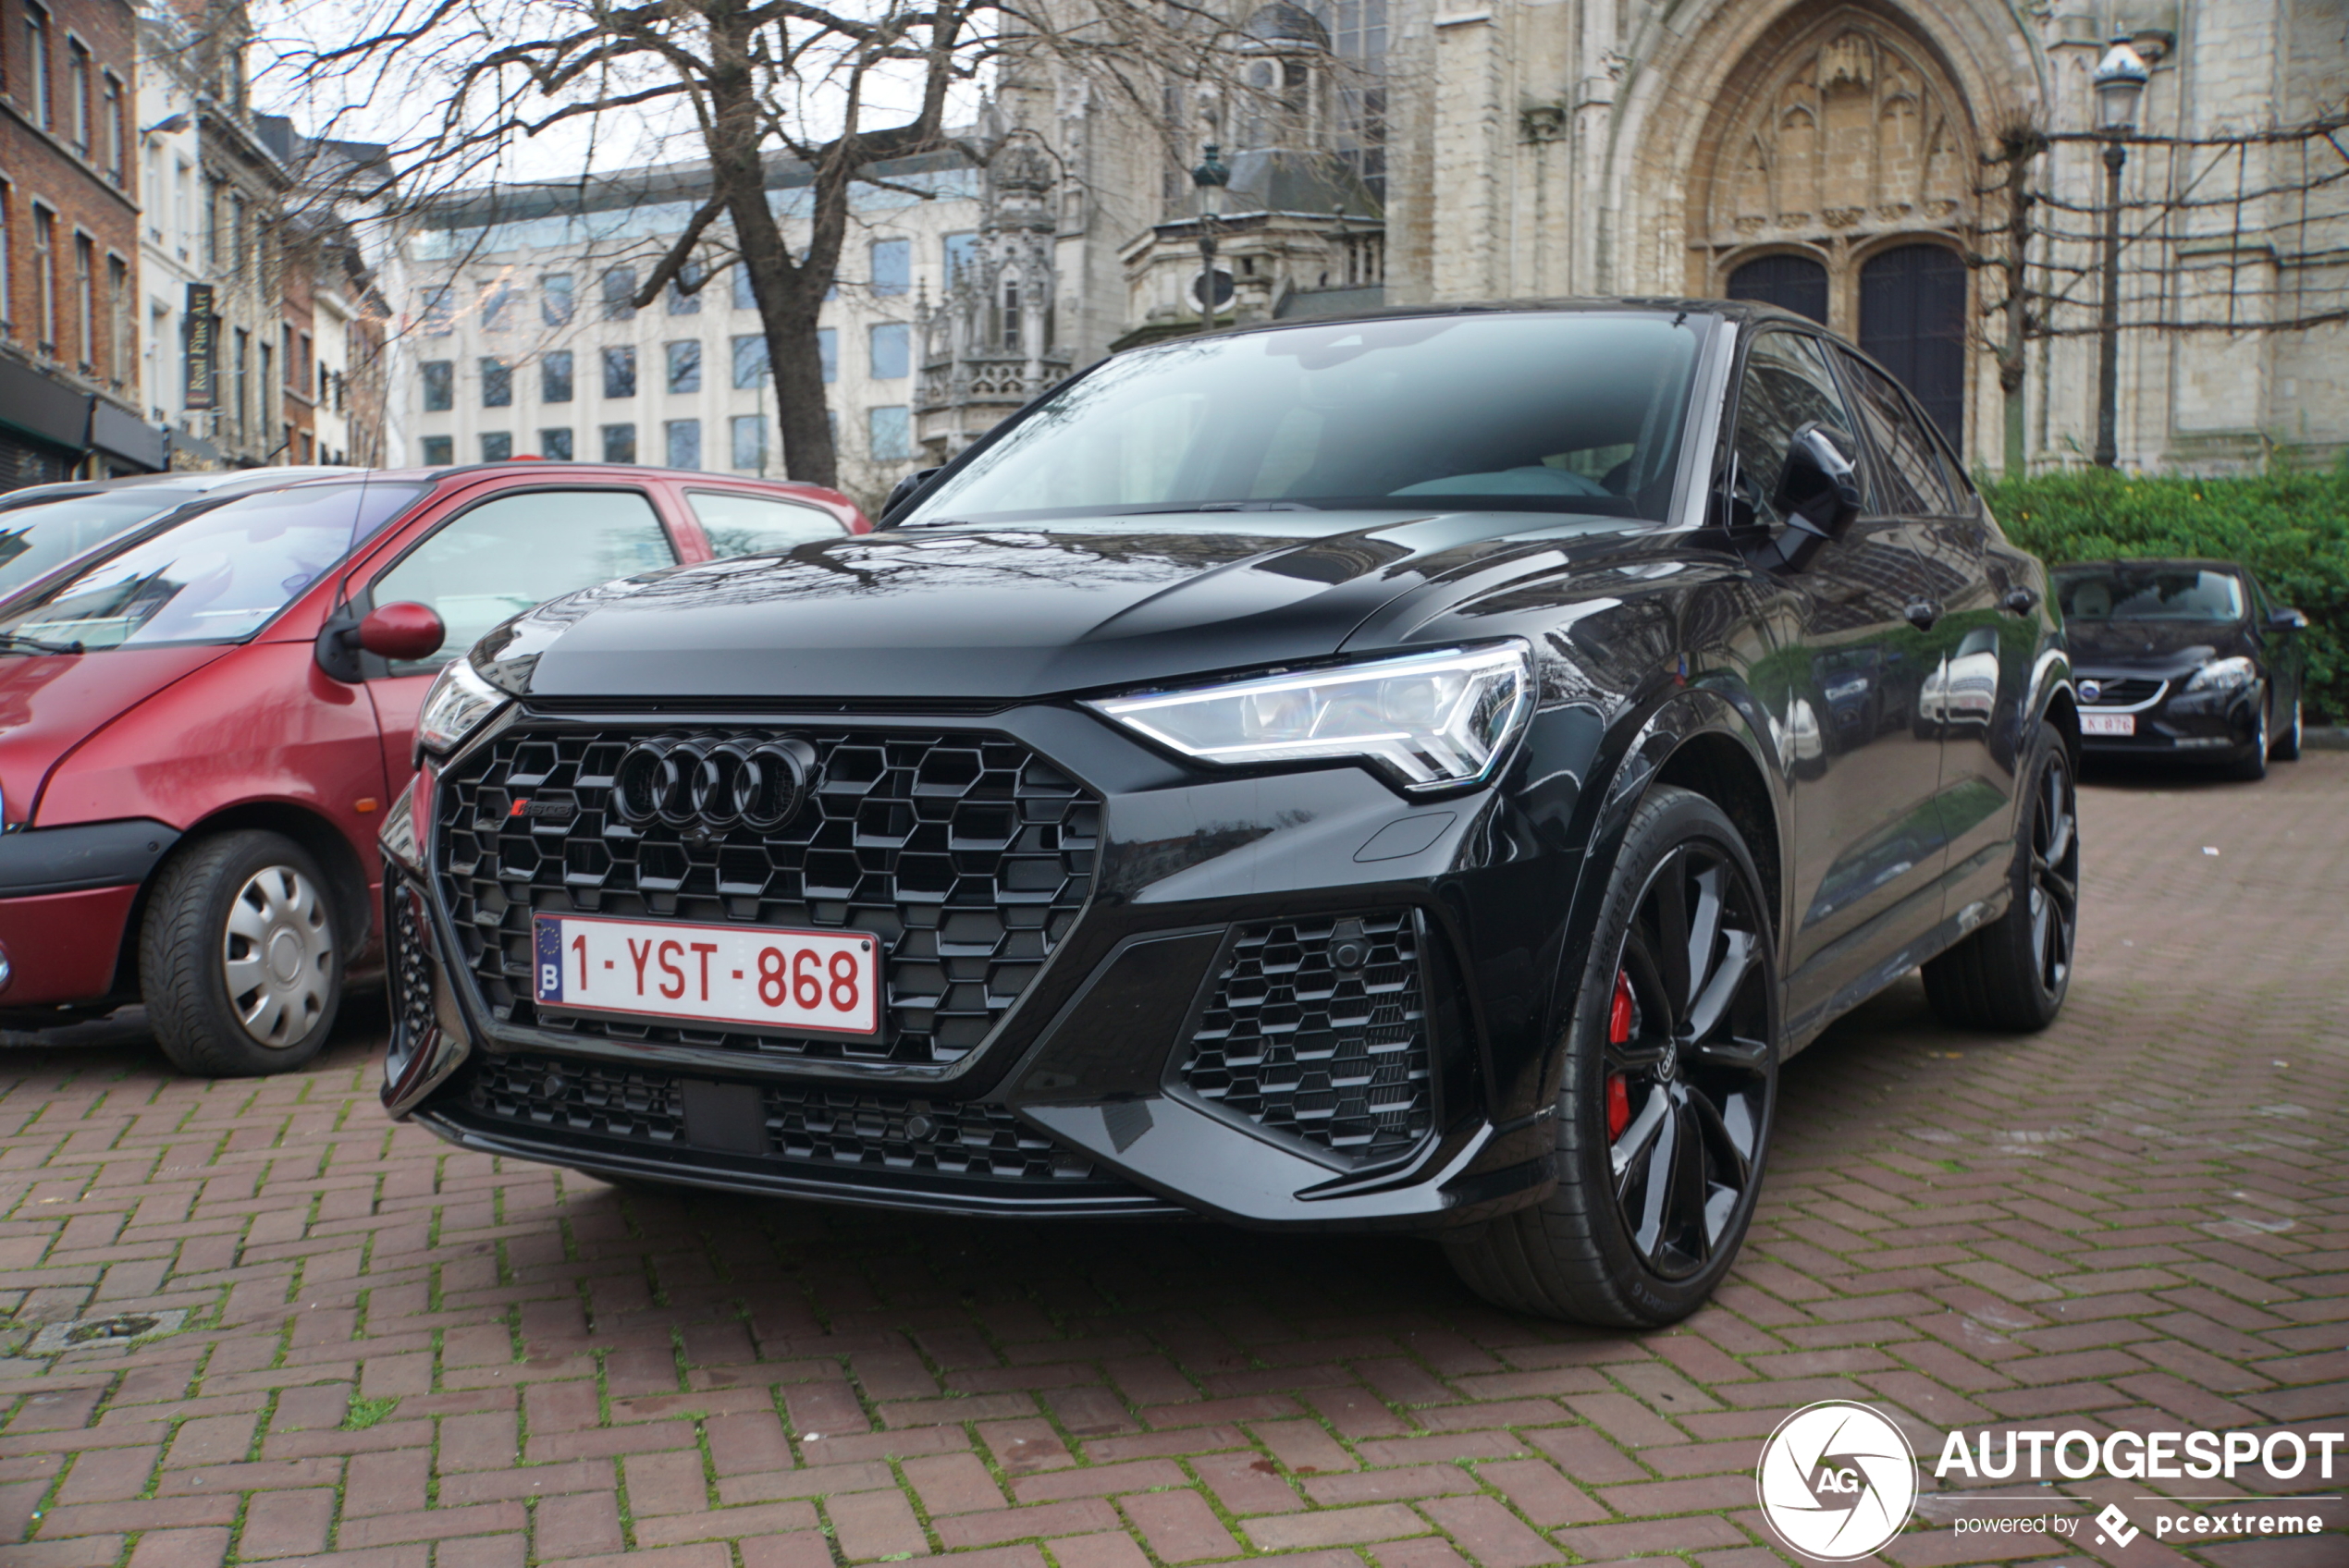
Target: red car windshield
[{"x": 216, "y": 578}]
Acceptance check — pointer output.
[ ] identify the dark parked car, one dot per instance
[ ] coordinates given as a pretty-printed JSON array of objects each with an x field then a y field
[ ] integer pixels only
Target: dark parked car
[
  {"x": 1423, "y": 772},
  {"x": 201, "y": 722},
  {"x": 2182, "y": 658}
]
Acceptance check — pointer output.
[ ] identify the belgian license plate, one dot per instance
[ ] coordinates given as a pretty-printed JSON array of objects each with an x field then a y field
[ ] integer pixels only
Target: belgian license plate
[
  {"x": 826, "y": 982},
  {"x": 2108, "y": 724}
]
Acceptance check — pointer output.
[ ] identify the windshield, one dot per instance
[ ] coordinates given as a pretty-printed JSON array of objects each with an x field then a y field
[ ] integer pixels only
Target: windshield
[
  {"x": 37, "y": 538},
  {"x": 1561, "y": 411},
  {"x": 2149, "y": 592},
  {"x": 216, "y": 577}
]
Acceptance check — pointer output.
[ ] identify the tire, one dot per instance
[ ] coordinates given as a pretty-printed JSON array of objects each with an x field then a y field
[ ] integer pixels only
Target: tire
[
  {"x": 2251, "y": 766},
  {"x": 2286, "y": 747},
  {"x": 2012, "y": 975},
  {"x": 241, "y": 958},
  {"x": 1700, "y": 1087}
]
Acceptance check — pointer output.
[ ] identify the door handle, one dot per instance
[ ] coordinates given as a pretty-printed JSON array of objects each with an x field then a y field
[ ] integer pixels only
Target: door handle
[
  {"x": 1922, "y": 613},
  {"x": 2019, "y": 601}
]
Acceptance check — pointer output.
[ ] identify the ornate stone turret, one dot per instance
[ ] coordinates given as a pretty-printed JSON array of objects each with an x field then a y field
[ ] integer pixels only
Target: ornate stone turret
[{"x": 989, "y": 346}]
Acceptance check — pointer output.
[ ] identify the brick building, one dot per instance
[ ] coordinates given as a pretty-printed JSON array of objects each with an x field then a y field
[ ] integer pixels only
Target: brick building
[{"x": 69, "y": 356}]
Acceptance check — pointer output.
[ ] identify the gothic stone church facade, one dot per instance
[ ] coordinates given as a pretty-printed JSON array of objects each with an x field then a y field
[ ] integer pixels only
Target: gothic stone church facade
[{"x": 1823, "y": 154}]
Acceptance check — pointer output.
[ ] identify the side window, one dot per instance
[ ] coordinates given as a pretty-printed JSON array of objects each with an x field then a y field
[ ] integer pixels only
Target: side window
[
  {"x": 1908, "y": 464},
  {"x": 751, "y": 525},
  {"x": 1787, "y": 386},
  {"x": 515, "y": 551}
]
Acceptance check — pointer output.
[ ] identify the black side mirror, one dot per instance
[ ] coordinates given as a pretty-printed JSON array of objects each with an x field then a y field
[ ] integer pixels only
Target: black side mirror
[
  {"x": 902, "y": 495},
  {"x": 1818, "y": 488},
  {"x": 2288, "y": 620}
]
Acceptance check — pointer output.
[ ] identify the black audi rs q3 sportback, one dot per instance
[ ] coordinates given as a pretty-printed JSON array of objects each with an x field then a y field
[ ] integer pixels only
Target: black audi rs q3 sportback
[{"x": 1423, "y": 772}]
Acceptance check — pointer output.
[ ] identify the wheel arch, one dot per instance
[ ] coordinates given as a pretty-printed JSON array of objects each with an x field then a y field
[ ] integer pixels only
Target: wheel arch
[{"x": 346, "y": 874}]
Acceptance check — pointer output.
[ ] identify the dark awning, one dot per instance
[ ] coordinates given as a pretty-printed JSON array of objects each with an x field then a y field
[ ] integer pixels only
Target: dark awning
[
  {"x": 120, "y": 434},
  {"x": 38, "y": 406}
]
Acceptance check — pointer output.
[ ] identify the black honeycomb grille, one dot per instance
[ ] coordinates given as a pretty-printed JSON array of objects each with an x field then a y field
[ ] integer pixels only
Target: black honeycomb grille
[
  {"x": 577, "y": 1096},
  {"x": 830, "y": 1128},
  {"x": 1334, "y": 1054},
  {"x": 411, "y": 967},
  {"x": 969, "y": 855}
]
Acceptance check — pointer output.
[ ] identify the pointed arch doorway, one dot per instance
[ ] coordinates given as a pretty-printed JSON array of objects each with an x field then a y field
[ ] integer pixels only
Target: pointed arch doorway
[{"x": 1836, "y": 180}]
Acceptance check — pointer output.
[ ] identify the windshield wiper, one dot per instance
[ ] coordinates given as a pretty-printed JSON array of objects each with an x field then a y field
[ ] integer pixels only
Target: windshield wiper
[
  {"x": 1222, "y": 507},
  {"x": 34, "y": 645}
]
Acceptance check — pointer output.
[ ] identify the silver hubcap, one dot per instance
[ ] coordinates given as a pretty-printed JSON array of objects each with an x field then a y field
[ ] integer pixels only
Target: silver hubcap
[{"x": 277, "y": 956}]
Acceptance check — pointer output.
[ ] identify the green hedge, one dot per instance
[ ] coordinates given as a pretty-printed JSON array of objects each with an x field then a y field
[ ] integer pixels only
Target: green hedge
[{"x": 2293, "y": 529}]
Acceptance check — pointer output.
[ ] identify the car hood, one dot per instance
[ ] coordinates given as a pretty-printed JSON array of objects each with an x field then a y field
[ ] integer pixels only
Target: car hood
[
  {"x": 1008, "y": 613},
  {"x": 2157, "y": 647},
  {"x": 51, "y": 703}
]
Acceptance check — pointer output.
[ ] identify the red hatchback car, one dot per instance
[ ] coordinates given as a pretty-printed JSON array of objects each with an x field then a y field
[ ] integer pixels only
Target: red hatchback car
[{"x": 200, "y": 731}]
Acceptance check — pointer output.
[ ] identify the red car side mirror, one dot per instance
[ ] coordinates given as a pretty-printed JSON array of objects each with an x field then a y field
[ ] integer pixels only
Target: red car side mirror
[{"x": 402, "y": 631}]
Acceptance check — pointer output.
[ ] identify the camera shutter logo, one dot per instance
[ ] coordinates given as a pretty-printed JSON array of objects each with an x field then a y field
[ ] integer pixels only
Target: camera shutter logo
[{"x": 1837, "y": 1480}]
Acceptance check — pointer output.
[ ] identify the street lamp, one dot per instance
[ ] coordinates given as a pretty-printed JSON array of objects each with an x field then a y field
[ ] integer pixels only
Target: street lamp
[
  {"x": 2120, "y": 84},
  {"x": 1210, "y": 178}
]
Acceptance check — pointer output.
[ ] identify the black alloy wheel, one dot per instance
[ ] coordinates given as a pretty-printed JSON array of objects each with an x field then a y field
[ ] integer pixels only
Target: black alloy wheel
[
  {"x": 2013, "y": 974},
  {"x": 2285, "y": 747},
  {"x": 2251, "y": 766},
  {"x": 2054, "y": 898},
  {"x": 1687, "y": 1061},
  {"x": 1667, "y": 1084}
]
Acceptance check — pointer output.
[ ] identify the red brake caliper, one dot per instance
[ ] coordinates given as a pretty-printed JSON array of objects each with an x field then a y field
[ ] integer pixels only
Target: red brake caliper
[{"x": 1619, "y": 1033}]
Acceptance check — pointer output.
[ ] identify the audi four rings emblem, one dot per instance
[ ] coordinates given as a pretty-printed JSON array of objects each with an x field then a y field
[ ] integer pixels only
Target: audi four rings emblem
[{"x": 713, "y": 782}]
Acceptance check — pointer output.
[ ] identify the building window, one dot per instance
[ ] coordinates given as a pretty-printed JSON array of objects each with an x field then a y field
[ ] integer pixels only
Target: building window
[
  {"x": 684, "y": 443},
  {"x": 750, "y": 442},
  {"x": 78, "y": 95},
  {"x": 620, "y": 371},
  {"x": 183, "y": 206},
  {"x": 439, "y": 451},
  {"x": 293, "y": 380},
  {"x": 7, "y": 253},
  {"x": 890, "y": 434},
  {"x": 961, "y": 251},
  {"x": 684, "y": 367},
  {"x": 85, "y": 299},
  {"x": 750, "y": 362},
  {"x": 497, "y": 385},
  {"x": 440, "y": 380},
  {"x": 745, "y": 297},
  {"x": 620, "y": 294},
  {"x": 890, "y": 349},
  {"x": 112, "y": 112},
  {"x": 36, "y": 66},
  {"x": 499, "y": 304},
  {"x": 121, "y": 353},
  {"x": 238, "y": 236},
  {"x": 681, "y": 302},
  {"x": 439, "y": 313},
  {"x": 827, "y": 352},
  {"x": 619, "y": 443},
  {"x": 892, "y": 266},
  {"x": 244, "y": 380},
  {"x": 44, "y": 276},
  {"x": 554, "y": 377},
  {"x": 496, "y": 446},
  {"x": 555, "y": 446},
  {"x": 555, "y": 301}
]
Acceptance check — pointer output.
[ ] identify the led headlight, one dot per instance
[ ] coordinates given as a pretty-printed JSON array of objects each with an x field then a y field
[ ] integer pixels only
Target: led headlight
[
  {"x": 460, "y": 703},
  {"x": 1430, "y": 721},
  {"x": 2223, "y": 675}
]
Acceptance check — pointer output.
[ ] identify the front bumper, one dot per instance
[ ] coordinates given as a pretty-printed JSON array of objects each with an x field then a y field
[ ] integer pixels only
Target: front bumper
[
  {"x": 2215, "y": 726},
  {"x": 1265, "y": 1013},
  {"x": 66, "y": 898}
]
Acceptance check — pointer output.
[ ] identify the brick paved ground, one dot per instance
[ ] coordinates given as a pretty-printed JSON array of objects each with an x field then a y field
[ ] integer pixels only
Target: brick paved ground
[{"x": 414, "y": 1358}]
